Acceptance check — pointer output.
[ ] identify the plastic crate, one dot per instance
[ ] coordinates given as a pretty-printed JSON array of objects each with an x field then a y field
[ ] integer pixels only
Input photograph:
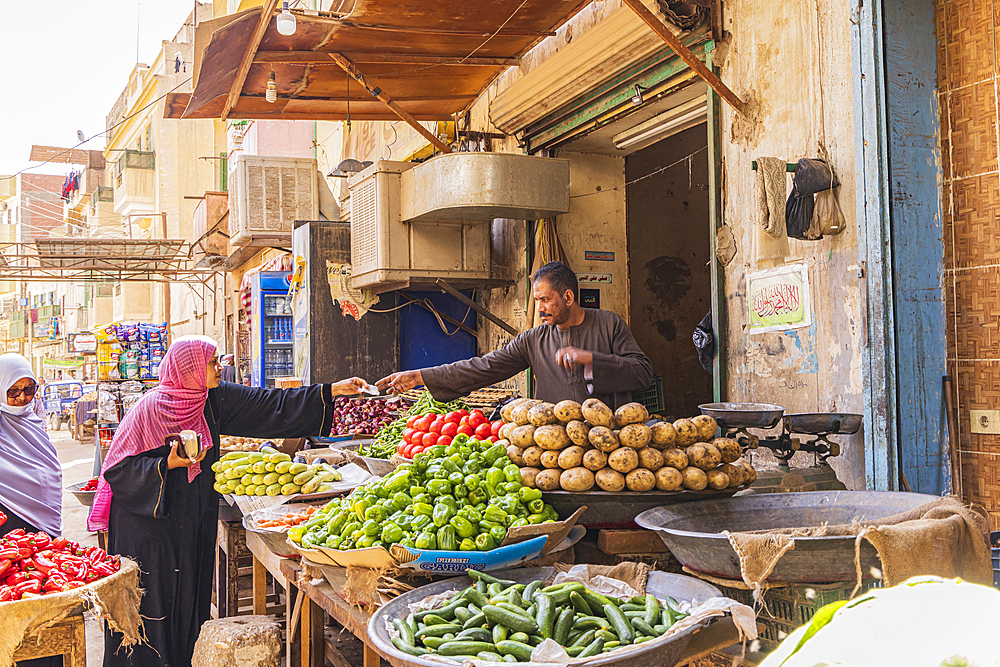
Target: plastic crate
[
  {"x": 789, "y": 607},
  {"x": 651, "y": 398}
]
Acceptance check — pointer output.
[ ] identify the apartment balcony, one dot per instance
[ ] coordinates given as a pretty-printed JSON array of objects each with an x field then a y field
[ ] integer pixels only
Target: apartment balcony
[{"x": 134, "y": 182}]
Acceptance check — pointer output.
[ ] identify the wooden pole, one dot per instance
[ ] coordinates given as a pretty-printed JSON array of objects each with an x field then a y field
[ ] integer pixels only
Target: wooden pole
[
  {"x": 685, "y": 53},
  {"x": 266, "y": 12},
  {"x": 377, "y": 93}
]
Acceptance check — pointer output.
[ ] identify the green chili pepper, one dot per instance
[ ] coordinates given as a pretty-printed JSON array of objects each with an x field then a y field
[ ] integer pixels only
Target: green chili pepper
[
  {"x": 370, "y": 527},
  {"x": 537, "y": 506},
  {"x": 459, "y": 491},
  {"x": 376, "y": 513},
  {"x": 467, "y": 545},
  {"x": 537, "y": 518}
]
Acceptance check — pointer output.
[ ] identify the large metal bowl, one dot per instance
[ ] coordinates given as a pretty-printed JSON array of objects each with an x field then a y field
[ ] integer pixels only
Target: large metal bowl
[
  {"x": 663, "y": 653},
  {"x": 693, "y": 531},
  {"x": 85, "y": 497},
  {"x": 744, "y": 415}
]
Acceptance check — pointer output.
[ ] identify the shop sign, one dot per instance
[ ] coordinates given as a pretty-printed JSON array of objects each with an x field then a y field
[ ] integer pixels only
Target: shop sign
[
  {"x": 598, "y": 256},
  {"x": 778, "y": 298},
  {"x": 82, "y": 342},
  {"x": 594, "y": 278}
]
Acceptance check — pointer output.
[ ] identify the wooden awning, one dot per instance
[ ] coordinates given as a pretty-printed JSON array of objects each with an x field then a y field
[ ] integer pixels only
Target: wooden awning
[{"x": 430, "y": 59}]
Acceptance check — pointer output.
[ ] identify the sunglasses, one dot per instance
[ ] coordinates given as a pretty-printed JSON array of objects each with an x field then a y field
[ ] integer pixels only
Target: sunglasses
[{"x": 28, "y": 391}]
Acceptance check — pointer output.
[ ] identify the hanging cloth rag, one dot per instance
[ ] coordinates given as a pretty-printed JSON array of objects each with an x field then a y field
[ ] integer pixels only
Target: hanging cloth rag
[
  {"x": 771, "y": 245},
  {"x": 812, "y": 175}
]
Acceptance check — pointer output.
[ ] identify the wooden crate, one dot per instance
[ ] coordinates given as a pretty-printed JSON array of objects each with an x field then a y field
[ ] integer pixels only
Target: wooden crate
[{"x": 67, "y": 638}]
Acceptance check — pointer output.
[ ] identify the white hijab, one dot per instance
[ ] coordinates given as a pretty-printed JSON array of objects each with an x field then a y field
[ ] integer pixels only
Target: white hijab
[{"x": 30, "y": 474}]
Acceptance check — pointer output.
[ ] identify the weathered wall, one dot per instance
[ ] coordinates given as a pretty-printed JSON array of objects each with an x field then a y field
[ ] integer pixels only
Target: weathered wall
[
  {"x": 789, "y": 60},
  {"x": 596, "y": 221}
]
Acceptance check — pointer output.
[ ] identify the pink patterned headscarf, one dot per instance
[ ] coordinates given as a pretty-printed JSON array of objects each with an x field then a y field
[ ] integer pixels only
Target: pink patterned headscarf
[{"x": 177, "y": 404}]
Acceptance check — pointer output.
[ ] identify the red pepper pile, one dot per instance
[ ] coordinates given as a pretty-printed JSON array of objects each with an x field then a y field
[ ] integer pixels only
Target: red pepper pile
[
  {"x": 91, "y": 485},
  {"x": 33, "y": 564},
  {"x": 424, "y": 431}
]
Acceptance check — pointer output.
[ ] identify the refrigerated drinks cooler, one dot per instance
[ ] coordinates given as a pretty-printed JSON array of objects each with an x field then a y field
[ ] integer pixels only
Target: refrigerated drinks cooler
[{"x": 271, "y": 330}]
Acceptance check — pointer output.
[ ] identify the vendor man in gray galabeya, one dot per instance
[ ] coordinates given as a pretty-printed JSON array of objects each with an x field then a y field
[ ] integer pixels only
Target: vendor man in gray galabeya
[{"x": 578, "y": 353}]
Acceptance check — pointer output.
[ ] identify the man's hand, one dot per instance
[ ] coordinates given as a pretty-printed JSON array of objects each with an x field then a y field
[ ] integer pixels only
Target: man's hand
[
  {"x": 175, "y": 460},
  {"x": 567, "y": 357},
  {"x": 397, "y": 383},
  {"x": 348, "y": 387}
]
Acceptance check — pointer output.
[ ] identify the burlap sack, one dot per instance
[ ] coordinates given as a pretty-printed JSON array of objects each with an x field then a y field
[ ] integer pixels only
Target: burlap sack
[
  {"x": 943, "y": 538},
  {"x": 115, "y": 599}
]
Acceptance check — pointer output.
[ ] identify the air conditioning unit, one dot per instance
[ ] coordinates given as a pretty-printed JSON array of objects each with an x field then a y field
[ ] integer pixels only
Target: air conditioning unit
[
  {"x": 267, "y": 194},
  {"x": 414, "y": 223}
]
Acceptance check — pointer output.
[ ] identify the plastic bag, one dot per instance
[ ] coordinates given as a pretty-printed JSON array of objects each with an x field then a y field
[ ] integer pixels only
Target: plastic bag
[{"x": 704, "y": 342}]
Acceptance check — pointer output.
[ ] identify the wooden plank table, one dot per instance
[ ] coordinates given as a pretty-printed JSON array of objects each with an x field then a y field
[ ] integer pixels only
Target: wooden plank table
[{"x": 320, "y": 595}]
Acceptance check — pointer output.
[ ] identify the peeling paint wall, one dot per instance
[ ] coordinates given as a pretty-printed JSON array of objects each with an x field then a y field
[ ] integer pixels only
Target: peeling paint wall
[{"x": 790, "y": 60}]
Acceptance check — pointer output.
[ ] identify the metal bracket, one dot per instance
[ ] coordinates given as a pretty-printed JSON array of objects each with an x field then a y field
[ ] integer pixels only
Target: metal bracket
[{"x": 476, "y": 307}]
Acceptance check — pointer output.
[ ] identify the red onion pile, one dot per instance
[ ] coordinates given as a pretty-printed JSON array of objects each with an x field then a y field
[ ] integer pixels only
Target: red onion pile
[{"x": 363, "y": 415}]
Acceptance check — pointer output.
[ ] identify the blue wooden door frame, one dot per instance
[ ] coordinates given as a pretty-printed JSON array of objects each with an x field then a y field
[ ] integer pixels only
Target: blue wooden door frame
[{"x": 900, "y": 243}]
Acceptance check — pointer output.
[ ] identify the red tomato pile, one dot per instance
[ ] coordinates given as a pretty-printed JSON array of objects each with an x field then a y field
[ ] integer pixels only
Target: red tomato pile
[
  {"x": 33, "y": 564},
  {"x": 423, "y": 431}
]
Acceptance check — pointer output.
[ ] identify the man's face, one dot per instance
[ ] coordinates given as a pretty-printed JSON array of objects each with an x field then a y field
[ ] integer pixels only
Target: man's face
[{"x": 553, "y": 307}]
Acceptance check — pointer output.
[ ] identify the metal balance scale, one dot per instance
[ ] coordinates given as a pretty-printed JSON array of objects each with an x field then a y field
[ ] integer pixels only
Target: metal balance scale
[{"x": 802, "y": 432}]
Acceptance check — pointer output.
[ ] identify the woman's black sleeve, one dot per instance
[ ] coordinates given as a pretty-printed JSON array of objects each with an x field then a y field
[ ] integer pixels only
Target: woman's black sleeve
[
  {"x": 140, "y": 483},
  {"x": 253, "y": 412}
]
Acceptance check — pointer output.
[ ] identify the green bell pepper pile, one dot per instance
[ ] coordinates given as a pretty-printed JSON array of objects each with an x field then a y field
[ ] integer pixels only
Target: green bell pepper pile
[
  {"x": 502, "y": 621},
  {"x": 461, "y": 497}
]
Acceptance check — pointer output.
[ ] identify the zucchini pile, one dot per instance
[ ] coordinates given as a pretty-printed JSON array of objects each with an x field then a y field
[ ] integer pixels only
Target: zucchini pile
[
  {"x": 503, "y": 621},
  {"x": 270, "y": 473}
]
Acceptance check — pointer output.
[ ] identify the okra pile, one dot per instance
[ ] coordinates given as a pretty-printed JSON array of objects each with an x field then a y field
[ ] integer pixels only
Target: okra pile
[
  {"x": 463, "y": 497},
  {"x": 502, "y": 621}
]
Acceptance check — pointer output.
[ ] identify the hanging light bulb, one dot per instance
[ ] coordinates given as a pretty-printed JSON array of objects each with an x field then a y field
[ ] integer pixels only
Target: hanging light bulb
[
  {"x": 271, "y": 95},
  {"x": 285, "y": 21}
]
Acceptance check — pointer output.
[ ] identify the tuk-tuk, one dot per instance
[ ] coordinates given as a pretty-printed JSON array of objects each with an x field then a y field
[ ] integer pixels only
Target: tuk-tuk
[{"x": 58, "y": 398}]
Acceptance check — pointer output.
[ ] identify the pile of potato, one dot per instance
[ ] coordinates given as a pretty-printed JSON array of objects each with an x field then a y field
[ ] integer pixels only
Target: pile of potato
[{"x": 575, "y": 447}]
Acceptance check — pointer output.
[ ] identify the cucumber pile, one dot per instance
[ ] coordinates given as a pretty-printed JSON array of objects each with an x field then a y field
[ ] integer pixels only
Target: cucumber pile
[
  {"x": 503, "y": 621},
  {"x": 270, "y": 473}
]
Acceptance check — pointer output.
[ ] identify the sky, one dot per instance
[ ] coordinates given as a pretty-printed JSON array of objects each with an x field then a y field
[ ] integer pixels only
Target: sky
[{"x": 64, "y": 63}]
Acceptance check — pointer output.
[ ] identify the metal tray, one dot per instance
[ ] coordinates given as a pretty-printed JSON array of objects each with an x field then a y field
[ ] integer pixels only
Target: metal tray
[
  {"x": 85, "y": 497},
  {"x": 276, "y": 539},
  {"x": 607, "y": 509},
  {"x": 822, "y": 423},
  {"x": 660, "y": 653},
  {"x": 693, "y": 531},
  {"x": 744, "y": 415}
]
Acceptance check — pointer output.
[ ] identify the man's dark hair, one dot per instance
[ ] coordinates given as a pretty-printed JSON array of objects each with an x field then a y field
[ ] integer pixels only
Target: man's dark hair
[{"x": 559, "y": 277}]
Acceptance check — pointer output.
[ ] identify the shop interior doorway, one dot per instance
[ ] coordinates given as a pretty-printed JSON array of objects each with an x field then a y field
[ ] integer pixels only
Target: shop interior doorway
[{"x": 667, "y": 214}]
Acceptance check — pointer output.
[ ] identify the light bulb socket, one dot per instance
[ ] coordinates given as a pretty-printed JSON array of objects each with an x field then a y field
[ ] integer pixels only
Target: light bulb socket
[
  {"x": 271, "y": 91},
  {"x": 285, "y": 22}
]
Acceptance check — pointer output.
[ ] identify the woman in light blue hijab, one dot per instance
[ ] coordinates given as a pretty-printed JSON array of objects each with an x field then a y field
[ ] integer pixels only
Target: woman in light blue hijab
[{"x": 30, "y": 474}]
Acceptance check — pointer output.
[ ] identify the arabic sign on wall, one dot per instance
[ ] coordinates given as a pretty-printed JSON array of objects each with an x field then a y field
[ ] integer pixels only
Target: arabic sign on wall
[
  {"x": 593, "y": 278},
  {"x": 778, "y": 298}
]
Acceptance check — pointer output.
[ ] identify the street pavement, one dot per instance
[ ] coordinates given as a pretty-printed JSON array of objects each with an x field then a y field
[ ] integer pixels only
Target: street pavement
[{"x": 77, "y": 460}]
